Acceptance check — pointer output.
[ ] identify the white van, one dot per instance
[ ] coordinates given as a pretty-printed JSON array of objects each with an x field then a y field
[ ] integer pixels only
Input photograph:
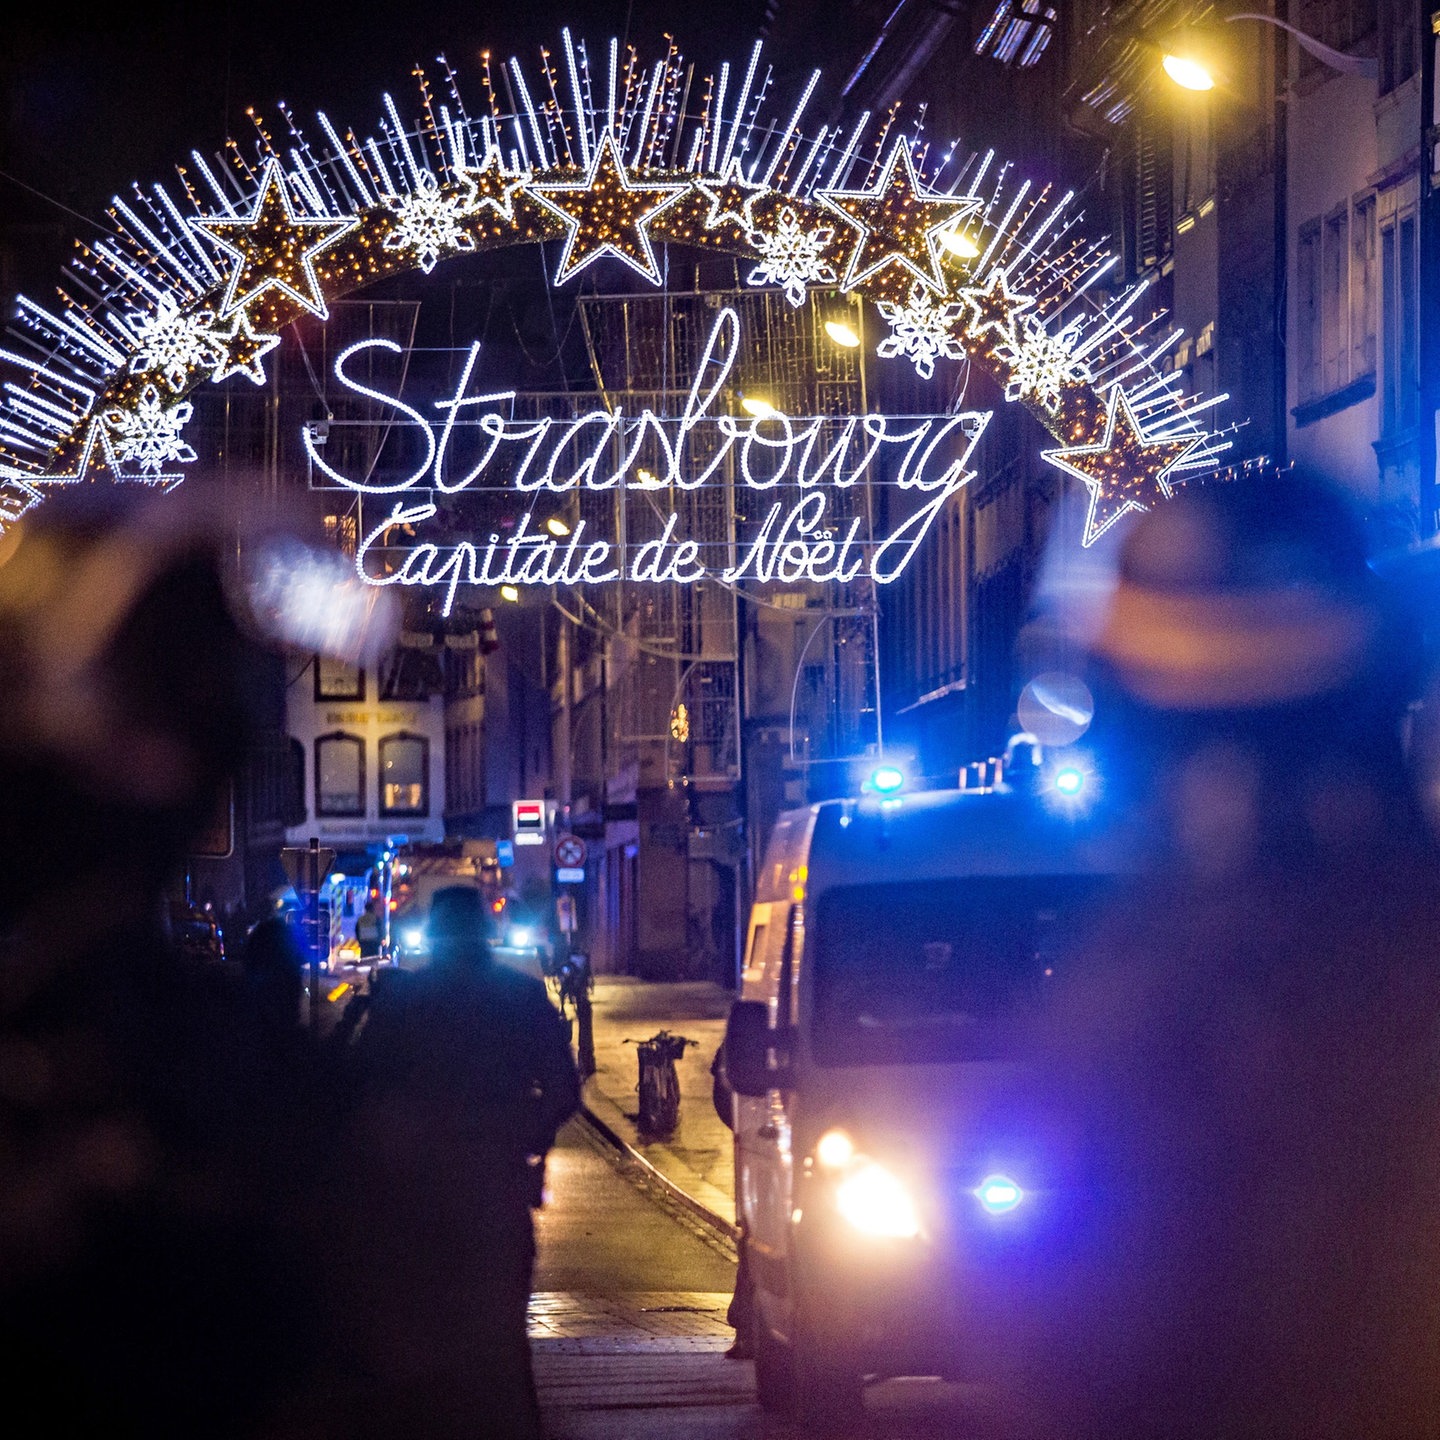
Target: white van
[{"x": 884, "y": 1167}]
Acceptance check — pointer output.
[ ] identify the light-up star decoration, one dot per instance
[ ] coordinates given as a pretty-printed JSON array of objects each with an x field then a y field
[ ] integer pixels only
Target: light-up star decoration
[
  {"x": 190, "y": 286},
  {"x": 274, "y": 248},
  {"x": 607, "y": 214},
  {"x": 240, "y": 348},
  {"x": 1125, "y": 469},
  {"x": 898, "y": 220},
  {"x": 494, "y": 187},
  {"x": 992, "y": 308},
  {"x": 730, "y": 200}
]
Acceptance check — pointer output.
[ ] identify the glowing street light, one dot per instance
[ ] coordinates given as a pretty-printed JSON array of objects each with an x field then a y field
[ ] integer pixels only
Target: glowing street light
[
  {"x": 842, "y": 334},
  {"x": 759, "y": 408},
  {"x": 1194, "y": 55},
  {"x": 1187, "y": 71},
  {"x": 958, "y": 242},
  {"x": 510, "y": 593},
  {"x": 556, "y": 526}
]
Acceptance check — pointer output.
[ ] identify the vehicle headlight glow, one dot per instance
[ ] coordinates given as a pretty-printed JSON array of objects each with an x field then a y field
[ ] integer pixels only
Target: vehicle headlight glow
[
  {"x": 1069, "y": 780},
  {"x": 876, "y": 1203},
  {"x": 520, "y": 935},
  {"x": 414, "y": 937},
  {"x": 998, "y": 1194}
]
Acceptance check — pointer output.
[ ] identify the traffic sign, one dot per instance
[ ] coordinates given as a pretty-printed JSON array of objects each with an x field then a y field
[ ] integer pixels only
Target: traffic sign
[
  {"x": 296, "y": 860},
  {"x": 569, "y": 852},
  {"x": 527, "y": 817}
]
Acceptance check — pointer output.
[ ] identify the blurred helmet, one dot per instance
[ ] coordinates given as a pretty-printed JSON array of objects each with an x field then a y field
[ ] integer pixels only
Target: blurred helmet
[
  {"x": 458, "y": 916},
  {"x": 1250, "y": 595},
  {"x": 122, "y": 661}
]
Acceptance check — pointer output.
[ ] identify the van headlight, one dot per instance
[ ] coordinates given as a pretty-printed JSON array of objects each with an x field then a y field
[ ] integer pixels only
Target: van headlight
[
  {"x": 414, "y": 938},
  {"x": 876, "y": 1202}
]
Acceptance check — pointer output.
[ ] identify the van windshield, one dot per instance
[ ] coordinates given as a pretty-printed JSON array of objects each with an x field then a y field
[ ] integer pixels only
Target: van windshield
[{"x": 930, "y": 971}]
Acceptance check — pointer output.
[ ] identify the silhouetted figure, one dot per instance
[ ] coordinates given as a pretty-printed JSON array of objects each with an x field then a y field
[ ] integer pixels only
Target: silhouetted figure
[
  {"x": 153, "y": 1173},
  {"x": 274, "y": 965},
  {"x": 465, "y": 1076},
  {"x": 1244, "y": 1055},
  {"x": 368, "y": 930}
]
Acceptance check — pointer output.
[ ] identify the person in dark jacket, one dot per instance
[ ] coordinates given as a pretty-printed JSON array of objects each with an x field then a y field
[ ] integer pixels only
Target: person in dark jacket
[
  {"x": 741, "y": 1310},
  {"x": 466, "y": 1076},
  {"x": 1245, "y": 1052},
  {"x": 156, "y": 1176}
]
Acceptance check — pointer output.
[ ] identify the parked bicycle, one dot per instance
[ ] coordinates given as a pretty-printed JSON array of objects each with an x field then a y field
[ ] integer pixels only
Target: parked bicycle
[
  {"x": 659, "y": 1081},
  {"x": 573, "y": 983}
]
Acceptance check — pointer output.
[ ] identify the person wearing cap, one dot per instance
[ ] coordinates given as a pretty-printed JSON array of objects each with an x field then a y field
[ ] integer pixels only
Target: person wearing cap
[
  {"x": 466, "y": 1075},
  {"x": 1242, "y": 1053}
]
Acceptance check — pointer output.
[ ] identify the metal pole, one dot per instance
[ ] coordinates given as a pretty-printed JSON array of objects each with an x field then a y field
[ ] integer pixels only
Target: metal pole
[
  {"x": 312, "y": 907},
  {"x": 1429, "y": 278},
  {"x": 870, "y": 523}
]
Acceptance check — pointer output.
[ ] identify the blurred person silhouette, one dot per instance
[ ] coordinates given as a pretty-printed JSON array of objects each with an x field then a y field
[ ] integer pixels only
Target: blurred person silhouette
[
  {"x": 466, "y": 1076},
  {"x": 1243, "y": 1053},
  {"x": 154, "y": 1267},
  {"x": 274, "y": 966},
  {"x": 369, "y": 929}
]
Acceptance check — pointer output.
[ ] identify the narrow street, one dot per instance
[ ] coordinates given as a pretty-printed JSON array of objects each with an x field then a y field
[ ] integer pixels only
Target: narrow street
[{"x": 628, "y": 1324}]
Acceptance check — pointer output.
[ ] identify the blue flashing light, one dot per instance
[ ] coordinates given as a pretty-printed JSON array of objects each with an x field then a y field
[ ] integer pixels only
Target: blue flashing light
[
  {"x": 887, "y": 779},
  {"x": 1070, "y": 780},
  {"x": 998, "y": 1194}
]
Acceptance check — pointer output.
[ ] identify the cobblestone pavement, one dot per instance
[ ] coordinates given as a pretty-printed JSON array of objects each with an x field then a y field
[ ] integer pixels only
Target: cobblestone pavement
[{"x": 685, "y": 1320}]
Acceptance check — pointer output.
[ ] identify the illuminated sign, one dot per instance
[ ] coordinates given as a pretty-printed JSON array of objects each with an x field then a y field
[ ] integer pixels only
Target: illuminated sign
[
  {"x": 527, "y": 819},
  {"x": 809, "y": 534}
]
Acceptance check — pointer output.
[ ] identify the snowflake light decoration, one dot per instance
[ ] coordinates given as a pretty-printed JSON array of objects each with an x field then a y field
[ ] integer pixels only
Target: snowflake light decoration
[
  {"x": 429, "y": 223},
  {"x": 1042, "y": 365},
  {"x": 922, "y": 330},
  {"x": 198, "y": 283},
  {"x": 792, "y": 256},
  {"x": 174, "y": 342},
  {"x": 149, "y": 433}
]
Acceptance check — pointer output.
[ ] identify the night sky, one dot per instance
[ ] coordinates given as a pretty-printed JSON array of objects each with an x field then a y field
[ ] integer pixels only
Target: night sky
[{"x": 92, "y": 104}]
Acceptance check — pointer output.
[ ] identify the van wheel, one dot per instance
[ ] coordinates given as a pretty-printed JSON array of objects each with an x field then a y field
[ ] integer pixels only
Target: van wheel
[
  {"x": 827, "y": 1389},
  {"x": 774, "y": 1374}
]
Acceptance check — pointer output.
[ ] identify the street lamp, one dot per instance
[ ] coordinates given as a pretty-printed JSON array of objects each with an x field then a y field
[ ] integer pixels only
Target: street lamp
[
  {"x": 1194, "y": 57},
  {"x": 1191, "y": 56}
]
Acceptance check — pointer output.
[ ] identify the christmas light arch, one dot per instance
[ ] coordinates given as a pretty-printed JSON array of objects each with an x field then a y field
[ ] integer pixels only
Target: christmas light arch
[{"x": 615, "y": 159}]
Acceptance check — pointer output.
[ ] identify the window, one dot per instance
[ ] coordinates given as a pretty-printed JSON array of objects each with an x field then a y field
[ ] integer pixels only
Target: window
[
  {"x": 1363, "y": 279},
  {"x": 1307, "y": 311},
  {"x": 931, "y": 971},
  {"x": 1334, "y": 301},
  {"x": 1399, "y": 47},
  {"x": 1341, "y": 24},
  {"x": 339, "y": 775},
  {"x": 404, "y": 775},
  {"x": 337, "y": 680},
  {"x": 1399, "y": 321}
]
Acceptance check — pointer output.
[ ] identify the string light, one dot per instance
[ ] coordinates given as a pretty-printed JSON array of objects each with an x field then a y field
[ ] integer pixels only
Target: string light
[
  {"x": 607, "y": 214},
  {"x": 898, "y": 220},
  {"x": 1125, "y": 469},
  {"x": 274, "y": 247},
  {"x": 177, "y": 302}
]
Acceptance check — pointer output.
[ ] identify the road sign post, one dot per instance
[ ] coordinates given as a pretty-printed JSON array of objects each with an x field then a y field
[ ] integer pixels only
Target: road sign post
[{"x": 307, "y": 867}]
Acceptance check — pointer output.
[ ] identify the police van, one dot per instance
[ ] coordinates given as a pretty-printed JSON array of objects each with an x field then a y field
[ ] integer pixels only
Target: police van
[{"x": 887, "y": 1173}]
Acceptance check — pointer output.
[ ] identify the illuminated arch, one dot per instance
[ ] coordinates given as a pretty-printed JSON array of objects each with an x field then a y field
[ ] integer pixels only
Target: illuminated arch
[{"x": 615, "y": 159}]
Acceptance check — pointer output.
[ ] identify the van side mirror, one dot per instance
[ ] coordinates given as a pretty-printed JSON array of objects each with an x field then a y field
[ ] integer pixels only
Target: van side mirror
[{"x": 748, "y": 1042}]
